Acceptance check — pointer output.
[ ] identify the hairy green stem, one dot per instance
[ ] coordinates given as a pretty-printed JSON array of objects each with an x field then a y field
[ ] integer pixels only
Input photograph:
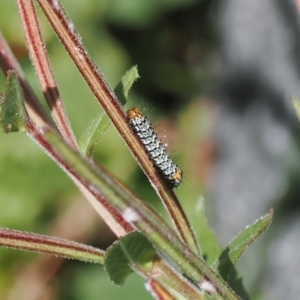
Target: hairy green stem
[
  {"x": 50, "y": 245},
  {"x": 131, "y": 209}
]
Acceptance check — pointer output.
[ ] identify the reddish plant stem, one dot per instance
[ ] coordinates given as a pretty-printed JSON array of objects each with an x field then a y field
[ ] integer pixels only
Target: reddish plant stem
[
  {"x": 72, "y": 42},
  {"x": 37, "y": 135},
  {"x": 160, "y": 271},
  {"x": 158, "y": 291},
  {"x": 44, "y": 73},
  {"x": 38, "y": 274},
  {"x": 173, "y": 280},
  {"x": 46, "y": 244},
  {"x": 140, "y": 216},
  {"x": 37, "y": 113},
  {"x": 39, "y": 58}
]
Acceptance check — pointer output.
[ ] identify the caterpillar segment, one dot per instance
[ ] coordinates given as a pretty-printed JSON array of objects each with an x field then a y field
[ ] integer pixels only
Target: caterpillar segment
[{"x": 157, "y": 152}]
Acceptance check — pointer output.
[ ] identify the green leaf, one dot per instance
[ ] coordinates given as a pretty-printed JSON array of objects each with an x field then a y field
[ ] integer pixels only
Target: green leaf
[
  {"x": 237, "y": 247},
  {"x": 13, "y": 113},
  {"x": 126, "y": 254},
  {"x": 209, "y": 244},
  {"x": 93, "y": 134},
  {"x": 296, "y": 104},
  {"x": 124, "y": 86}
]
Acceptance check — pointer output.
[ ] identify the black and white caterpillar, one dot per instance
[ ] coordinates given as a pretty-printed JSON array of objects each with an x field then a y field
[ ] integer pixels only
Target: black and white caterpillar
[{"x": 154, "y": 147}]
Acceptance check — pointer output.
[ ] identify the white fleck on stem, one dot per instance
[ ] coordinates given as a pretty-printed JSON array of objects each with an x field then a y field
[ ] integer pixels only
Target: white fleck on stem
[
  {"x": 71, "y": 27},
  {"x": 56, "y": 4},
  {"x": 207, "y": 287},
  {"x": 130, "y": 215}
]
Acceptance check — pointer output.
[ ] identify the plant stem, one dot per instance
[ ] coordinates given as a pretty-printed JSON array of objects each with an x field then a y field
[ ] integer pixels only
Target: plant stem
[
  {"x": 141, "y": 217},
  {"x": 38, "y": 55},
  {"x": 65, "y": 29},
  {"x": 50, "y": 245}
]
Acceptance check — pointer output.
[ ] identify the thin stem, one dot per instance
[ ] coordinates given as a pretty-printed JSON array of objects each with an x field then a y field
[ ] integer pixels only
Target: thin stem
[
  {"x": 158, "y": 291},
  {"x": 50, "y": 245},
  {"x": 100, "y": 201},
  {"x": 163, "y": 273},
  {"x": 37, "y": 113},
  {"x": 129, "y": 207},
  {"x": 71, "y": 40},
  {"x": 38, "y": 55}
]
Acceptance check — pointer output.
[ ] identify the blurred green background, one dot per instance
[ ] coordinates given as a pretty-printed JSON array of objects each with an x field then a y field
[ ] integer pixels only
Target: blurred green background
[
  {"x": 173, "y": 46},
  {"x": 215, "y": 90}
]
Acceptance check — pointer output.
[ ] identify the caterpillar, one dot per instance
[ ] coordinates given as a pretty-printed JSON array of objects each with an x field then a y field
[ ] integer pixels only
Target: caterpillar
[{"x": 143, "y": 129}]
